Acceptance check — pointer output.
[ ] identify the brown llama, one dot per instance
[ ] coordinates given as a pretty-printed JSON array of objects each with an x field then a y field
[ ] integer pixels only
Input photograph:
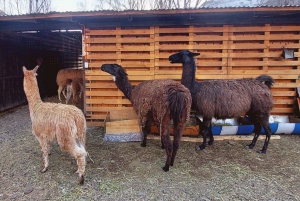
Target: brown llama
[
  {"x": 55, "y": 121},
  {"x": 156, "y": 101},
  {"x": 227, "y": 99},
  {"x": 65, "y": 76}
]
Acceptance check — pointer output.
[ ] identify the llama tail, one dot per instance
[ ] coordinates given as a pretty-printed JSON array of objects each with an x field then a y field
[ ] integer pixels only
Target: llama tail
[
  {"x": 266, "y": 79},
  {"x": 178, "y": 102}
]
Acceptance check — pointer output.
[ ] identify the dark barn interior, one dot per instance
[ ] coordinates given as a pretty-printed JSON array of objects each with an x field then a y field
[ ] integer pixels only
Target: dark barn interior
[{"x": 21, "y": 44}]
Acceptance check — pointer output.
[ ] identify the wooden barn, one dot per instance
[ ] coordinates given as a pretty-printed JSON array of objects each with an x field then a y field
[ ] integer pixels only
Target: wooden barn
[{"x": 233, "y": 42}]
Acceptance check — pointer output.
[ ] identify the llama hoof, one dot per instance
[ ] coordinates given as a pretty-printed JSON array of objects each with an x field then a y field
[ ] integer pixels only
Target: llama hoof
[
  {"x": 201, "y": 147},
  {"x": 44, "y": 169},
  {"x": 250, "y": 146},
  {"x": 81, "y": 180},
  {"x": 261, "y": 151},
  {"x": 143, "y": 145},
  {"x": 210, "y": 142},
  {"x": 166, "y": 169}
]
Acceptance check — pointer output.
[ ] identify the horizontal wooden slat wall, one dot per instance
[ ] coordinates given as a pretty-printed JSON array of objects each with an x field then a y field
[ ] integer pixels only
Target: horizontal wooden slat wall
[
  {"x": 133, "y": 48},
  {"x": 227, "y": 52}
]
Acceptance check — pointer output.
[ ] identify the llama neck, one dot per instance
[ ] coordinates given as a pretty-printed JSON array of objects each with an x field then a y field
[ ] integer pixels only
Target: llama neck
[
  {"x": 124, "y": 85},
  {"x": 33, "y": 95},
  {"x": 188, "y": 74}
]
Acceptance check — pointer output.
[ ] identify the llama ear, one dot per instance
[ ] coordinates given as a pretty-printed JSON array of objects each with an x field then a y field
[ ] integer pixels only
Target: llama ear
[
  {"x": 194, "y": 54},
  {"x": 122, "y": 71},
  {"x": 24, "y": 69},
  {"x": 35, "y": 70}
]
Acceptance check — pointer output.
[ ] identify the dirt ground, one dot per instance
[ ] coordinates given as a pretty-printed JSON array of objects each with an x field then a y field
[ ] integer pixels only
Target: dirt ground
[{"x": 127, "y": 171}]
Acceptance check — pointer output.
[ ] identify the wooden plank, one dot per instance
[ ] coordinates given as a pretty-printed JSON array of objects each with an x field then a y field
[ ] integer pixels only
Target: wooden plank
[
  {"x": 108, "y": 101},
  {"x": 284, "y": 101},
  {"x": 268, "y": 72},
  {"x": 110, "y": 109},
  {"x": 218, "y": 138},
  {"x": 122, "y": 126},
  {"x": 195, "y": 38},
  {"x": 94, "y": 124},
  {"x": 108, "y": 40},
  {"x": 119, "y": 32},
  {"x": 124, "y": 63},
  {"x": 127, "y": 113},
  {"x": 104, "y": 93},
  {"x": 130, "y": 77},
  {"x": 263, "y": 29},
  {"x": 282, "y": 110},
  {"x": 161, "y": 30},
  {"x": 284, "y": 93},
  {"x": 135, "y": 56},
  {"x": 262, "y": 63},
  {"x": 199, "y": 63},
  {"x": 140, "y": 48},
  {"x": 263, "y": 37},
  {"x": 97, "y": 116},
  {"x": 144, "y": 71},
  {"x": 179, "y": 72},
  {"x": 111, "y": 85}
]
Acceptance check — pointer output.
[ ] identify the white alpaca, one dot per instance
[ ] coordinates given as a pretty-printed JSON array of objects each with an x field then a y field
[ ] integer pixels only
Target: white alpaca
[
  {"x": 75, "y": 88},
  {"x": 66, "y": 76},
  {"x": 55, "y": 121}
]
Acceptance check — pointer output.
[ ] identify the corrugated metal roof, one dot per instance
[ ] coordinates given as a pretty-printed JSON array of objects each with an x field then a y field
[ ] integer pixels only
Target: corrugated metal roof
[{"x": 204, "y": 8}]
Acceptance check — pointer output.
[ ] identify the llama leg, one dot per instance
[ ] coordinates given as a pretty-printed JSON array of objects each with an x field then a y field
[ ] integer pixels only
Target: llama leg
[
  {"x": 165, "y": 136},
  {"x": 46, "y": 147},
  {"x": 60, "y": 88},
  {"x": 144, "y": 132},
  {"x": 268, "y": 132},
  {"x": 204, "y": 129},
  {"x": 257, "y": 129},
  {"x": 211, "y": 137},
  {"x": 78, "y": 152},
  {"x": 178, "y": 130}
]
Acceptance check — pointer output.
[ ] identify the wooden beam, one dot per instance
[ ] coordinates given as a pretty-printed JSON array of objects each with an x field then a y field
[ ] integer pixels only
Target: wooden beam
[{"x": 218, "y": 138}]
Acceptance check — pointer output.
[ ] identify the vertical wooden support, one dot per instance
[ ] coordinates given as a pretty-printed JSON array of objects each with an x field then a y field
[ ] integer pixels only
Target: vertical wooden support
[
  {"x": 298, "y": 82},
  {"x": 84, "y": 55},
  {"x": 191, "y": 41},
  {"x": 156, "y": 51},
  {"x": 229, "y": 50},
  {"x": 267, "y": 48},
  {"x": 152, "y": 51},
  {"x": 225, "y": 54},
  {"x": 119, "y": 53}
]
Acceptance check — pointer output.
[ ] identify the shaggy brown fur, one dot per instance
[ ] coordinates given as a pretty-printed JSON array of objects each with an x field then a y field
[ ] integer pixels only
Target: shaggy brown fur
[
  {"x": 227, "y": 98},
  {"x": 75, "y": 88},
  {"x": 65, "y": 76},
  {"x": 52, "y": 121},
  {"x": 156, "y": 101}
]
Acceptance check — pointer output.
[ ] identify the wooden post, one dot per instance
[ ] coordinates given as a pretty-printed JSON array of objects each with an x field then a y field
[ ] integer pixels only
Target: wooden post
[
  {"x": 267, "y": 48},
  {"x": 230, "y": 44}
]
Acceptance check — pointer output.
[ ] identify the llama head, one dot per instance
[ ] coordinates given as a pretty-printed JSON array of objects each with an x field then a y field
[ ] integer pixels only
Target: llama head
[
  {"x": 114, "y": 69},
  {"x": 182, "y": 56},
  {"x": 29, "y": 77}
]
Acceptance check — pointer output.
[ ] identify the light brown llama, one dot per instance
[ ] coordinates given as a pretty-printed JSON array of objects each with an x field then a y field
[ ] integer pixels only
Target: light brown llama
[
  {"x": 65, "y": 76},
  {"x": 55, "y": 121}
]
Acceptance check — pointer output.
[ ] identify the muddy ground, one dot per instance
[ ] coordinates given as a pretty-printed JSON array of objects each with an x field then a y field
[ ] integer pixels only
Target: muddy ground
[{"x": 126, "y": 171}]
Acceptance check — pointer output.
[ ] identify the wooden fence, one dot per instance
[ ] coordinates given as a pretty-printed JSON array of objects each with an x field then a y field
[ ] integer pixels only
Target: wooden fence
[{"x": 227, "y": 52}]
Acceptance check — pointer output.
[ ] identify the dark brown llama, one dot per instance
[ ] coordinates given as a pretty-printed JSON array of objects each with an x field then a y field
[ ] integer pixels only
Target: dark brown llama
[
  {"x": 227, "y": 99},
  {"x": 156, "y": 101}
]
